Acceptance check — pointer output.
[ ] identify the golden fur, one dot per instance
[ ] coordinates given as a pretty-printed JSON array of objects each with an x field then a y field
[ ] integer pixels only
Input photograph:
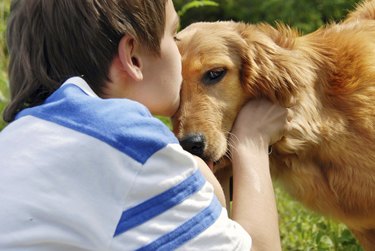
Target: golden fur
[{"x": 326, "y": 78}]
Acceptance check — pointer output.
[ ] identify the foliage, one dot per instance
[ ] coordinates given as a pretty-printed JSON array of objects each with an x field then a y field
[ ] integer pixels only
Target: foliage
[
  {"x": 195, "y": 4},
  {"x": 4, "y": 11},
  {"x": 305, "y": 15},
  {"x": 166, "y": 121}
]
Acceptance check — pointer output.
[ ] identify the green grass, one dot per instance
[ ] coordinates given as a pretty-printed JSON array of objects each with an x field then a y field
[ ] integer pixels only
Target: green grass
[
  {"x": 4, "y": 95},
  {"x": 303, "y": 230}
]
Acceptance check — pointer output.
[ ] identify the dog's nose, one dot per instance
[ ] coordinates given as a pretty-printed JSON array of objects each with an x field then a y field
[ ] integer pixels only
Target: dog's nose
[{"x": 194, "y": 144}]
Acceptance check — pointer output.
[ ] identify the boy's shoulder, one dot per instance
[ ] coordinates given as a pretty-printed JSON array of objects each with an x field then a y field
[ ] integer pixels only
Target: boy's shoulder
[{"x": 124, "y": 124}]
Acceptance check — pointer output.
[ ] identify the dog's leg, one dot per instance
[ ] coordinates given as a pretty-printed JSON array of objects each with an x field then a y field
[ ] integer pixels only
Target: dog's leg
[{"x": 366, "y": 239}]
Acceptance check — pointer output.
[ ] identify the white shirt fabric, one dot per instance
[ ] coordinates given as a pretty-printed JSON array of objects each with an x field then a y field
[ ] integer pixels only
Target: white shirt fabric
[{"x": 83, "y": 173}]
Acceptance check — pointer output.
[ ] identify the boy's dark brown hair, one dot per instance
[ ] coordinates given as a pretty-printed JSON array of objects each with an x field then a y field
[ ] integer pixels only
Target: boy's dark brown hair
[{"x": 52, "y": 40}]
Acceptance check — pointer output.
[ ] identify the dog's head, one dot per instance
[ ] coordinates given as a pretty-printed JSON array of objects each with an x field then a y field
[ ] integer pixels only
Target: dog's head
[{"x": 224, "y": 64}]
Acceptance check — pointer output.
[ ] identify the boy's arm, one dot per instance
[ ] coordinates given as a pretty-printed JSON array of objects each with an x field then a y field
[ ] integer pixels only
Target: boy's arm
[
  {"x": 210, "y": 177},
  {"x": 254, "y": 205}
]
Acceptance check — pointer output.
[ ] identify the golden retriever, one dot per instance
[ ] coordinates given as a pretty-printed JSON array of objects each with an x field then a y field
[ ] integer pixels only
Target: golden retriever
[{"x": 327, "y": 79}]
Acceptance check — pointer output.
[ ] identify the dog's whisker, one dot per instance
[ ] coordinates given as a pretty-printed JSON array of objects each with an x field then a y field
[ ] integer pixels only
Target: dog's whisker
[{"x": 232, "y": 140}]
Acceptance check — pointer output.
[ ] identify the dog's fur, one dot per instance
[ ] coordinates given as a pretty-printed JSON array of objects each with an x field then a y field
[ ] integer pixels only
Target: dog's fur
[{"x": 326, "y": 78}]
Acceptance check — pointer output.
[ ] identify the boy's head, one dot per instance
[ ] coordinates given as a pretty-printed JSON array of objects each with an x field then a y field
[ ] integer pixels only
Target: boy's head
[{"x": 52, "y": 40}]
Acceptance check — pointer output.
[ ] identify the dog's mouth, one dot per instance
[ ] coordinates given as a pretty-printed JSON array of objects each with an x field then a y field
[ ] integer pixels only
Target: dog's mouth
[
  {"x": 217, "y": 165},
  {"x": 210, "y": 164},
  {"x": 223, "y": 162},
  {"x": 196, "y": 144}
]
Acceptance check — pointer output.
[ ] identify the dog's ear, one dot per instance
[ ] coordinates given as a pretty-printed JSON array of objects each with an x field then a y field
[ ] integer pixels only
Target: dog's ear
[{"x": 268, "y": 66}]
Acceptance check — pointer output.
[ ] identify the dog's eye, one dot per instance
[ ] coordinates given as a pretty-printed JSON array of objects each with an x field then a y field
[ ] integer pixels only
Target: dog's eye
[{"x": 214, "y": 76}]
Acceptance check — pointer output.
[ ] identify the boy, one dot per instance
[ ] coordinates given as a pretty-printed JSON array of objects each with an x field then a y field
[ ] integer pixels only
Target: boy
[{"x": 84, "y": 164}]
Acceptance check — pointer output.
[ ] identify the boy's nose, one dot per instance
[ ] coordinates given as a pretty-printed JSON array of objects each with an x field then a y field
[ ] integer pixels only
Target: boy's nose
[{"x": 194, "y": 144}]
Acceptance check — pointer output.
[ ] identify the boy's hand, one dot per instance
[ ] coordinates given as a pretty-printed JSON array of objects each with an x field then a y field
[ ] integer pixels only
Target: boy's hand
[{"x": 260, "y": 120}]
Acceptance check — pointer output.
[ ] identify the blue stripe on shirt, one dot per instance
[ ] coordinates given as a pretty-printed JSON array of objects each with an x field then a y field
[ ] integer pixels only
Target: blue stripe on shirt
[
  {"x": 188, "y": 230},
  {"x": 159, "y": 204},
  {"x": 124, "y": 124}
]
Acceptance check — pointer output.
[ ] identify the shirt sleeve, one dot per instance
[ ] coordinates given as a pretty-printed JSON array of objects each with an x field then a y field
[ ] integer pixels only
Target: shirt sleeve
[{"x": 171, "y": 206}]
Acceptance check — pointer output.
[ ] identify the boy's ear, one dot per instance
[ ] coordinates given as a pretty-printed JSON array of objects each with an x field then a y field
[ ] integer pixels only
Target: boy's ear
[{"x": 130, "y": 60}]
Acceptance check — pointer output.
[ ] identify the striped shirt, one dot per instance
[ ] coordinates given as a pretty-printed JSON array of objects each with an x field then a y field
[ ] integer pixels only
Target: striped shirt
[{"x": 83, "y": 173}]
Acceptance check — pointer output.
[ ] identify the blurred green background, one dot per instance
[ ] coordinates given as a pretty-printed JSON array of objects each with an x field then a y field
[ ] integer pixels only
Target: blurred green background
[
  {"x": 300, "y": 229},
  {"x": 305, "y": 15},
  {"x": 4, "y": 11}
]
